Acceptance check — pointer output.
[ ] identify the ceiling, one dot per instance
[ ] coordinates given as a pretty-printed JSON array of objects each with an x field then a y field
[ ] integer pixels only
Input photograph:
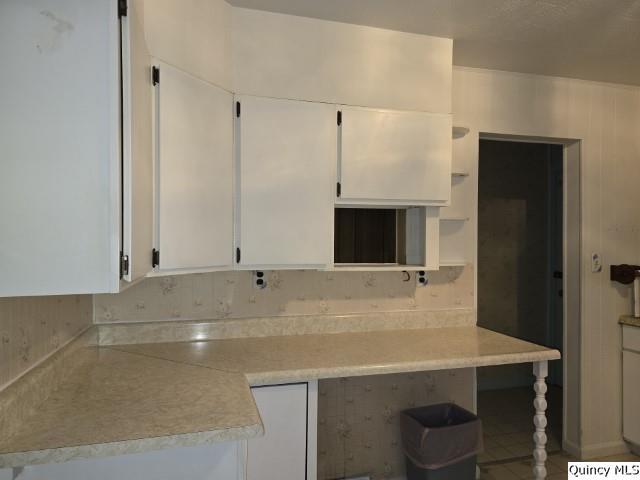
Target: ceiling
[{"x": 589, "y": 39}]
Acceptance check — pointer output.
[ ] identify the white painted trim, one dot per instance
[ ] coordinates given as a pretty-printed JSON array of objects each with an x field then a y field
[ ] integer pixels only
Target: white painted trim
[
  {"x": 312, "y": 430},
  {"x": 572, "y": 153},
  {"x": 47, "y": 357},
  {"x": 599, "y": 450}
]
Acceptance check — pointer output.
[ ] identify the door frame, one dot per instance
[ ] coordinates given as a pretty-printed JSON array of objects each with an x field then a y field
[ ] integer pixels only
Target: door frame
[{"x": 572, "y": 342}]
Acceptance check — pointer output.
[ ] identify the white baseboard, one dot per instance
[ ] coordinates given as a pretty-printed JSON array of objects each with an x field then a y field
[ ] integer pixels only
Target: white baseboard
[
  {"x": 571, "y": 448},
  {"x": 595, "y": 451}
]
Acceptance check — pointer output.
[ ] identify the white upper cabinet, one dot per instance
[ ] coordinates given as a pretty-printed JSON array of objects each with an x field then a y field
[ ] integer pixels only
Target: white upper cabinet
[
  {"x": 394, "y": 157},
  {"x": 62, "y": 170},
  {"x": 286, "y": 158},
  {"x": 195, "y": 172}
]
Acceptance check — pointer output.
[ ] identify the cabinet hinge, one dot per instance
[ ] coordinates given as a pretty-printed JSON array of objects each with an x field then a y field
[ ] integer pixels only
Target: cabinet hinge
[
  {"x": 155, "y": 75},
  {"x": 238, "y": 109},
  {"x": 339, "y": 117},
  {"x": 338, "y": 189},
  {"x": 155, "y": 258},
  {"x": 124, "y": 264},
  {"x": 122, "y": 8},
  {"x": 237, "y": 255}
]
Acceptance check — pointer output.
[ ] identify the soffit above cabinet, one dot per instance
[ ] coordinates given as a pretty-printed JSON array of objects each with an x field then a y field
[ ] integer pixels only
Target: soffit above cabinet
[{"x": 300, "y": 58}]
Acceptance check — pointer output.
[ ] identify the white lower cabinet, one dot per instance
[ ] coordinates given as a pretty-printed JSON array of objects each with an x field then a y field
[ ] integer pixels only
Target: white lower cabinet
[
  {"x": 219, "y": 461},
  {"x": 287, "y": 451},
  {"x": 630, "y": 386}
]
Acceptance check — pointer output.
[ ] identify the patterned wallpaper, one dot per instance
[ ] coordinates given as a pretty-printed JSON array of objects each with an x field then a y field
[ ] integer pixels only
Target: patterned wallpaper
[
  {"x": 33, "y": 327},
  {"x": 358, "y": 426},
  {"x": 232, "y": 295},
  {"x": 358, "y": 417}
]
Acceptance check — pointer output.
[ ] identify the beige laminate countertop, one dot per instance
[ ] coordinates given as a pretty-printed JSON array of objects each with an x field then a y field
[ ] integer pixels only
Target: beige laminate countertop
[
  {"x": 629, "y": 320},
  {"x": 132, "y": 398}
]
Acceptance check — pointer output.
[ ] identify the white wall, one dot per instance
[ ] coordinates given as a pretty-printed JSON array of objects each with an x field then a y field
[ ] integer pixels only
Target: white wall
[{"x": 606, "y": 118}]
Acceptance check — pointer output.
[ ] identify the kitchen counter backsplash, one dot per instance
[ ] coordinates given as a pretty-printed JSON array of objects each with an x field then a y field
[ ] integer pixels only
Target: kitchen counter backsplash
[
  {"x": 222, "y": 295},
  {"x": 31, "y": 328}
]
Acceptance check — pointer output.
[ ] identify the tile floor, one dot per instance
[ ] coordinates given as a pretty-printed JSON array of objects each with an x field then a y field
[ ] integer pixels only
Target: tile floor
[
  {"x": 556, "y": 467},
  {"x": 507, "y": 418},
  {"x": 507, "y": 422}
]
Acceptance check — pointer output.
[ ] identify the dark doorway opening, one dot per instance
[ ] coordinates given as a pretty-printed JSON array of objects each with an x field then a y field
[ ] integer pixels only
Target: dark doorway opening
[{"x": 520, "y": 248}]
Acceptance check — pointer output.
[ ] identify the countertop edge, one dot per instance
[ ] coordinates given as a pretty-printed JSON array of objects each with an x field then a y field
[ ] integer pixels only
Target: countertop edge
[
  {"x": 629, "y": 320},
  {"x": 121, "y": 447},
  {"x": 125, "y": 447},
  {"x": 266, "y": 378}
]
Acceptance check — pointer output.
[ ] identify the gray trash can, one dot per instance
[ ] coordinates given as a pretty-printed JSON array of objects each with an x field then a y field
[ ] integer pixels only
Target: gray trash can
[{"x": 440, "y": 442}]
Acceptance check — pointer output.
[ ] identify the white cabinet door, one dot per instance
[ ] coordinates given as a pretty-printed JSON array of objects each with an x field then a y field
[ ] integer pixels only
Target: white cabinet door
[
  {"x": 137, "y": 162},
  {"x": 195, "y": 172},
  {"x": 286, "y": 161},
  {"x": 219, "y": 461},
  {"x": 59, "y": 138},
  {"x": 281, "y": 453},
  {"x": 630, "y": 396},
  {"x": 395, "y": 156}
]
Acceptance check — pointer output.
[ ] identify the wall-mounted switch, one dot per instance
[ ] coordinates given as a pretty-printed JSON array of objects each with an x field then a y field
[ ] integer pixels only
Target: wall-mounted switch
[
  {"x": 259, "y": 279},
  {"x": 596, "y": 263}
]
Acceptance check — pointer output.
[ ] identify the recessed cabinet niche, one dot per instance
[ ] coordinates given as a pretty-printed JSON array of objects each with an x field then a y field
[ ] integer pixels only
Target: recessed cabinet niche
[
  {"x": 285, "y": 173},
  {"x": 397, "y": 157},
  {"x": 194, "y": 165},
  {"x": 386, "y": 238}
]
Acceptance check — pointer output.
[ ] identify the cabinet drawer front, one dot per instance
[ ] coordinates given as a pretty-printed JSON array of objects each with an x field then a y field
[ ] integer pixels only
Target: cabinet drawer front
[
  {"x": 631, "y": 338},
  {"x": 393, "y": 155}
]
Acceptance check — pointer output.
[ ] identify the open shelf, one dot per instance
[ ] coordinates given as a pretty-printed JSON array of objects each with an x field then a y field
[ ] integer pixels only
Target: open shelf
[
  {"x": 459, "y": 132},
  {"x": 453, "y": 263}
]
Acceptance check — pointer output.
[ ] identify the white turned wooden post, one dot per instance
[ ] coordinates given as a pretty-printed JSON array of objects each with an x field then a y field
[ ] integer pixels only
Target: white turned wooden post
[{"x": 540, "y": 370}]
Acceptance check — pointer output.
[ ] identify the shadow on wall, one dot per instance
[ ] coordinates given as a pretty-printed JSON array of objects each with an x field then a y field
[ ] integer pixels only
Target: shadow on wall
[{"x": 293, "y": 292}]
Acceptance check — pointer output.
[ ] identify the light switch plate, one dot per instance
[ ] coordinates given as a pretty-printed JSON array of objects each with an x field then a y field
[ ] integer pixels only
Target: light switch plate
[{"x": 596, "y": 263}]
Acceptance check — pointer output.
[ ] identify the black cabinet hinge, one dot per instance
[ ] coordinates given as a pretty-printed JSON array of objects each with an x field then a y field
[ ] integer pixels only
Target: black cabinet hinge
[
  {"x": 237, "y": 255},
  {"x": 122, "y": 8},
  {"x": 124, "y": 264},
  {"x": 238, "y": 109},
  {"x": 339, "y": 117},
  {"x": 155, "y": 75},
  {"x": 155, "y": 258},
  {"x": 338, "y": 189}
]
